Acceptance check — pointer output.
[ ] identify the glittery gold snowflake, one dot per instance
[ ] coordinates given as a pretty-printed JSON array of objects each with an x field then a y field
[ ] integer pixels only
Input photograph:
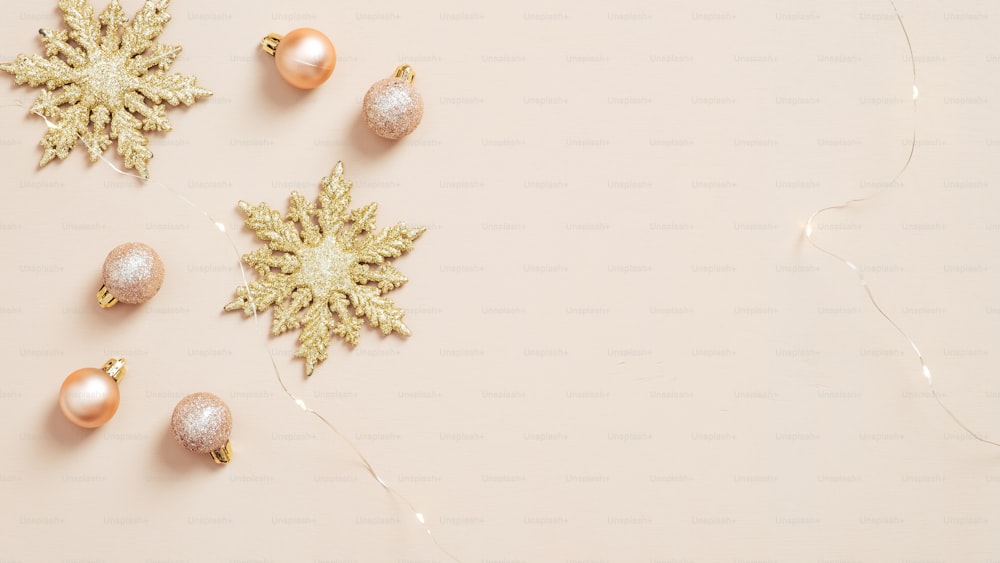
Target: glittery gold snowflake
[
  {"x": 98, "y": 77},
  {"x": 324, "y": 259}
]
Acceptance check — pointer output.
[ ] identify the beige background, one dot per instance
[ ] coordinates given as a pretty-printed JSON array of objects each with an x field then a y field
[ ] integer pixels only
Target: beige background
[{"x": 623, "y": 351}]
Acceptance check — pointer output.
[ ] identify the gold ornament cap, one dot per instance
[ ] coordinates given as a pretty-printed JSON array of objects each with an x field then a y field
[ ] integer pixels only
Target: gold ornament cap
[
  {"x": 270, "y": 43},
  {"x": 115, "y": 368},
  {"x": 223, "y": 454},
  {"x": 405, "y": 72},
  {"x": 105, "y": 299}
]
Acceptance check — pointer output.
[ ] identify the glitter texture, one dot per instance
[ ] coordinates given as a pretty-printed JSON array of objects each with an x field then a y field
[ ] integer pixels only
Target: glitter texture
[
  {"x": 393, "y": 108},
  {"x": 325, "y": 268},
  {"x": 202, "y": 423},
  {"x": 133, "y": 273},
  {"x": 97, "y": 84}
]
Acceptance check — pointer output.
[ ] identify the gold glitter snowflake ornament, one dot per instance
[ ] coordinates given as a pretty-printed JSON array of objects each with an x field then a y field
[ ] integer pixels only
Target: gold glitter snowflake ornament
[
  {"x": 97, "y": 84},
  {"x": 324, "y": 259}
]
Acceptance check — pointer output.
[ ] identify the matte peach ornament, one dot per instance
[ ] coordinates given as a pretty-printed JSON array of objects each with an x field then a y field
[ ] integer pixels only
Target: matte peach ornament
[
  {"x": 393, "y": 107},
  {"x": 133, "y": 273},
  {"x": 305, "y": 57},
  {"x": 89, "y": 396},
  {"x": 202, "y": 423}
]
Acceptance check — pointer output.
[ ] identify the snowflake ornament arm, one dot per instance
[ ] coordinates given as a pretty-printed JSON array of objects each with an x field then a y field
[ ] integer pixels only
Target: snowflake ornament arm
[
  {"x": 96, "y": 86},
  {"x": 325, "y": 268}
]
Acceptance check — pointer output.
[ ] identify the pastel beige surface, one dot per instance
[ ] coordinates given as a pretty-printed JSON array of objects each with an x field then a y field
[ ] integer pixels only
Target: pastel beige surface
[{"x": 623, "y": 349}]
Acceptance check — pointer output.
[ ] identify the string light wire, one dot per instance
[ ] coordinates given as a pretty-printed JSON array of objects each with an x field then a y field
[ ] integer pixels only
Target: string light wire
[{"x": 925, "y": 370}]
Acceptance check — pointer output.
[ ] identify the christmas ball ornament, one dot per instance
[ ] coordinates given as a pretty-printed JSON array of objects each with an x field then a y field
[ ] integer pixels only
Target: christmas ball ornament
[
  {"x": 202, "y": 423},
  {"x": 305, "y": 57},
  {"x": 89, "y": 397},
  {"x": 133, "y": 273},
  {"x": 393, "y": 107}
]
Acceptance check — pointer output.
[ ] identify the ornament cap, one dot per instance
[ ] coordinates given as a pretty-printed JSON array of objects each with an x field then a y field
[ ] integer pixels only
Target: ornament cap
[
  {"x": 405, "y": 72},
  {"x": 105, "y": 299},
  {"x": 115, "y": 368},
  {"x": 270, "y": 43},
  {"x": 223, "y": 454}
]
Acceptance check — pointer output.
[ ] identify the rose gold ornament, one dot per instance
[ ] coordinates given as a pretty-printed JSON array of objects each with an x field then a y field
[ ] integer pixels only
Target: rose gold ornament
[
  {"x": 393, "y": 107},
  {"x": 89, "y": 397},
  {"x": 305, "y": 57},
  {"x": 202, "y": 423},
  {"x": 133, "y": 273}
]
